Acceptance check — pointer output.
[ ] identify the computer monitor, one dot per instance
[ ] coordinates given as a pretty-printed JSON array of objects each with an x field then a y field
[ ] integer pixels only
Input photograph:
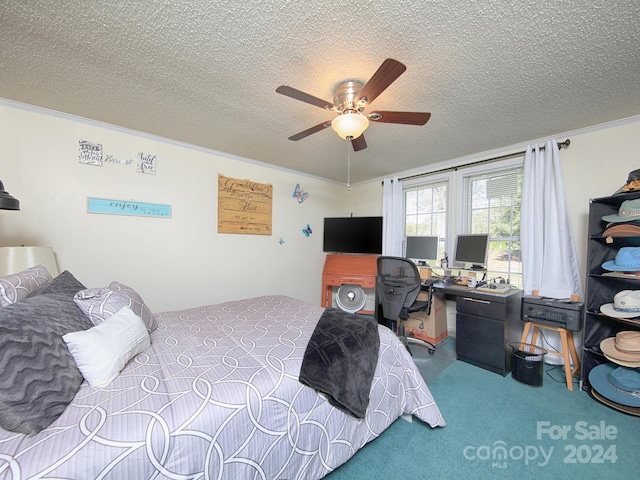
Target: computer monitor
[
  {"x": 472, "y": 248},
  {"x": 421, "y": 249}
]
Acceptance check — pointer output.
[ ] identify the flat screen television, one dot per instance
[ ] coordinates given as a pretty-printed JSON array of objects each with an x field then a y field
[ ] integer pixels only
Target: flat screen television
[
  {"x": 356, "y": 235},
  {"x": 422, "y": 249},
  {"x": 472, "y": 248}
]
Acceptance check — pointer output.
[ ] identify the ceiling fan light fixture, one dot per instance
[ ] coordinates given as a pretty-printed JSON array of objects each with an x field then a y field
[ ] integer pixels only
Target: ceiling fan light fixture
[{"x": 350, "y": 124}]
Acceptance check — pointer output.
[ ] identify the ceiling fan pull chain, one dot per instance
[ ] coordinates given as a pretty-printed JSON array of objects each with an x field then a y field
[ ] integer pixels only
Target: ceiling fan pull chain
[{"x": 349, "y": 164}]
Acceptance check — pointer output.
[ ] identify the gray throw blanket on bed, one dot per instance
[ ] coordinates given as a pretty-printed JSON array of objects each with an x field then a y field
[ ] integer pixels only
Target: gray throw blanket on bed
[{"x": 341, "y": 358}]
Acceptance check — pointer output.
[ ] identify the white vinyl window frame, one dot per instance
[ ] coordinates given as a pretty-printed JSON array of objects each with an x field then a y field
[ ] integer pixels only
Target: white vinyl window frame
[
  {"x": 457, "y": 213},
  {"x": 463, "y": 221},
  {"x": 426, "y": 182}
]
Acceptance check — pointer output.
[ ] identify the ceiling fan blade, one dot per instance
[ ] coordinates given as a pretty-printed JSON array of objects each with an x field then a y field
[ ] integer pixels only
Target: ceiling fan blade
[
  {"x": 304, "y": 97},
  {"x": 359, "y": 143},
  {"x": 406, "y": 118},
  {"x": 309, "y": 131},
  {"x": 388, "y": 72}
]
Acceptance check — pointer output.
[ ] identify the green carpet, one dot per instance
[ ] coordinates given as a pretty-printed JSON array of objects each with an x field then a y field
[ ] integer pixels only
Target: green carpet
[{"x": 499, "y": 428}]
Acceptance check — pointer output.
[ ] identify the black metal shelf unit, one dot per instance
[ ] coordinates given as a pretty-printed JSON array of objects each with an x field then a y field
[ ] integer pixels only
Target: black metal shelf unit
[{"x": 601, "y": 288}]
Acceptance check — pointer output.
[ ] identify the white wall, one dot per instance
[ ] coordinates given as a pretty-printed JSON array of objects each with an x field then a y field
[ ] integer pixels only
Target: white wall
[
  {"x": 173, "y": 263},
  {"x": 183, "y": 261},
  {"x": 596, "y": 165}
]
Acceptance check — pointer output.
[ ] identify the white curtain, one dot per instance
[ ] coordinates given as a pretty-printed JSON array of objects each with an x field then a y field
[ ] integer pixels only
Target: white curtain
[
  {"x": 392, "y": 209},
  {"x": 549, "y": 257}
]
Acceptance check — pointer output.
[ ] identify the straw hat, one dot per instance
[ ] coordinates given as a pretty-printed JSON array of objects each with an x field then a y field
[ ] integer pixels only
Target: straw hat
[{"x": 623, "y": 349}]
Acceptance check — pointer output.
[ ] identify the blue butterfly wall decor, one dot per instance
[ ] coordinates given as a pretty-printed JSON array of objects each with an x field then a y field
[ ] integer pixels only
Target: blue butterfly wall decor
[
  {"x": 300, "y": 194},
  {"x": 307, "y": 231},
  {"x": 281, "y": 241}
]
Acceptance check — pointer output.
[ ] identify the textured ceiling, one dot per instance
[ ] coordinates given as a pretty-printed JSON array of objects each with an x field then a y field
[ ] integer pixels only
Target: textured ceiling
[{"x": 492, "y": 73}]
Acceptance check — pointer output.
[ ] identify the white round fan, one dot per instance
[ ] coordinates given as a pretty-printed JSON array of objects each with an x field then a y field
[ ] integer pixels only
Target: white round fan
[{"x": 350, "y": 298}]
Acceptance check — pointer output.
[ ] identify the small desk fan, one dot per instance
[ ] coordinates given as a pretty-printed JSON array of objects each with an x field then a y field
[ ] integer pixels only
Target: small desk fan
[{"x": 350, "y": 298}]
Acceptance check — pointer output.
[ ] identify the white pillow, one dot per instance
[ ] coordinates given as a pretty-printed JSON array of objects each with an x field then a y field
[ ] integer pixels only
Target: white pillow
[{"x": 101, "y": 352}]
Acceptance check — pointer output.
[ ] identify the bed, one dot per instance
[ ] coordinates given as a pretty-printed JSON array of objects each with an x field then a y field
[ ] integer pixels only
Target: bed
[{"x": 217, "y": 395}]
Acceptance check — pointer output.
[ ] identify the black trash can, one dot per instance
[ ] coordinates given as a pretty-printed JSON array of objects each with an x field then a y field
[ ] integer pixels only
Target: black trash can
[{"x": 527, "y": 363}]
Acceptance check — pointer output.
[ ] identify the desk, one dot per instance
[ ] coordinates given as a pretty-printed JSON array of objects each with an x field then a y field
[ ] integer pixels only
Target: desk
[
  {"x": 485, "y": 325},
  {"x": 347, "y": 269}
]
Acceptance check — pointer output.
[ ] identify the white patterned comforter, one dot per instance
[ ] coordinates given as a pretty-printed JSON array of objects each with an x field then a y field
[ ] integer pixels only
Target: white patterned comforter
[{"x": 217, "y": 397}]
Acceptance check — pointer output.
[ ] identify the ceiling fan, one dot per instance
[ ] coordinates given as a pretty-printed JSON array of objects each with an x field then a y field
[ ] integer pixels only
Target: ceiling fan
[{"x": 351, "y": 98}]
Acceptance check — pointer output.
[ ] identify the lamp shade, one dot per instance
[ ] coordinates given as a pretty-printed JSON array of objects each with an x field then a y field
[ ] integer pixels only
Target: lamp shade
[
  {"x": 17, "y": 259},
  {"x": 350, "y": 124},
  {"x": 7, "y": 202}
]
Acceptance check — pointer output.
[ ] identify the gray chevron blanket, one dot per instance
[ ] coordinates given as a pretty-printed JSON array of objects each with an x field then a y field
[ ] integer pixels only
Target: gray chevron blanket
[{"x": 340, "y": 359}]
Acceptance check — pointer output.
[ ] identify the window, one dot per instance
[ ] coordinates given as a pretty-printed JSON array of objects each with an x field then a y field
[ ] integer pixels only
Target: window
[
  {"x": 491, "y": 204},
  {"x": 478, "y": 199},
  {"x": 426, "y": 211}
]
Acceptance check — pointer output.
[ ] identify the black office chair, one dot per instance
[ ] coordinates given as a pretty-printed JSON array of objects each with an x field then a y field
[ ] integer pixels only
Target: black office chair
[{"x": 397, "y": 287}]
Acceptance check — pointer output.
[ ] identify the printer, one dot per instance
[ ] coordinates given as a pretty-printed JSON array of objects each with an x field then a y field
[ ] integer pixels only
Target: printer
[{"x": 552, "y": 311}]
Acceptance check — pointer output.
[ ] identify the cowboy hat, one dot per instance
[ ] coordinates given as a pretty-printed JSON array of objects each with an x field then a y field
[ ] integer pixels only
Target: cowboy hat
[
  {"x": 629, "y": 210},
  {"x": 622, "y": 408},
  {"x": 618, "y": 384},
  {"x": 623, "y": 349},
  {"x": 626, "y": 260},
  {"x": 633, "y": 183},
  {"x": 626, "y": 304},
  {"x": 629, "y": 229}
]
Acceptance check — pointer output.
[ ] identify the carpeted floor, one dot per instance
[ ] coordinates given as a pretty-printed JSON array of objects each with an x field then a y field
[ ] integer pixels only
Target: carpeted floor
[
  {"x": 431, "y": 365},
  {"x": 499, "y": 428}
]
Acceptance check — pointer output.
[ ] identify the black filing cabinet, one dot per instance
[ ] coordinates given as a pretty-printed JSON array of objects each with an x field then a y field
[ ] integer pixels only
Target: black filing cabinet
[{"x": 485, "y": 325}]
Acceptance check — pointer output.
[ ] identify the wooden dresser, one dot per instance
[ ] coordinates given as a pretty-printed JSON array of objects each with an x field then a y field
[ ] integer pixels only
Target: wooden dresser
[{"x": 340, "y": 269}]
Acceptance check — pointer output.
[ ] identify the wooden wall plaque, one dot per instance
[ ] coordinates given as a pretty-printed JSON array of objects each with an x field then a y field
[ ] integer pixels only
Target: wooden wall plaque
[{"x": 244, "y": 206}]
